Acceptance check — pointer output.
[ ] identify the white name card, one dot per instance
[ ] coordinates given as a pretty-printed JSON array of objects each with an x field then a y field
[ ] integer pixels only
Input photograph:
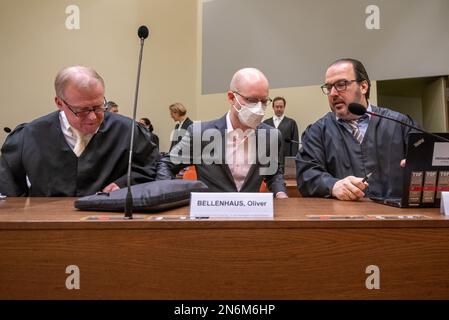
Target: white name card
[
  {"x": 440, "y": 154},
  {"x": 231, "y": 204},
  {"x": 444, "y": 205}
]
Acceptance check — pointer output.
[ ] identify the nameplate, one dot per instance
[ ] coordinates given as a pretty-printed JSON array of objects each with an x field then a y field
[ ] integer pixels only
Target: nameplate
[
  {"x": 440, "y": 154},
  {"x": 231, "y": 205},
  {"x": 444, "y": 206}
]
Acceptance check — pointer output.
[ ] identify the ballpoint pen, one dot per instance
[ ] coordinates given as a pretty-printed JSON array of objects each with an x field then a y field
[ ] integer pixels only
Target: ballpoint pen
[{"x": 367, "y": 177}]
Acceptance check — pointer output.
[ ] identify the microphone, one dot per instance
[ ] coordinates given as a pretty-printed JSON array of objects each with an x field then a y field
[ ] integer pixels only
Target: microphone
[
  {"x": 7, "y": 129},
  {"x": 143, "y": 33},
  {"x": 359, "y": 110},
  {"x": 292, "y": 141}
]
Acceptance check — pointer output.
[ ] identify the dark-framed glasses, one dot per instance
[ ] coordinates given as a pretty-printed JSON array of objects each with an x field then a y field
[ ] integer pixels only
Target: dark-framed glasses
[
  {"x": 251, "y": 102},
  {"x": 340, "y": 86},
  {"x": 86, "y": 111}
]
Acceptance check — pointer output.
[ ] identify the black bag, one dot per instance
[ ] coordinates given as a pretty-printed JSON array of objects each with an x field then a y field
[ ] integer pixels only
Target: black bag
[{"x": 151, "y": 196}]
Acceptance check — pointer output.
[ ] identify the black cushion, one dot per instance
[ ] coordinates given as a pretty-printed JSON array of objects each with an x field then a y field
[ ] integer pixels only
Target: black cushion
[{"x": 147, "y": 197}]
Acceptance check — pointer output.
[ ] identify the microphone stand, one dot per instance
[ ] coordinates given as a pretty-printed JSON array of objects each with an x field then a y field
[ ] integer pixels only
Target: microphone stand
[
  {"x": 292, "y": 141},
  {"x": 409, "y": 125},
  {"x": 129, "y": 197}
]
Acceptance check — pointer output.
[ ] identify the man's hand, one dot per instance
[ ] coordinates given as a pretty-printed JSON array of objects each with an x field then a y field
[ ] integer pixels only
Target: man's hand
[
  {"x": 281, "y": 195},
  {"x": 349, "y": 188},
  {"x": 402, "y": 163},
  {"x": 110, "y": 187}
]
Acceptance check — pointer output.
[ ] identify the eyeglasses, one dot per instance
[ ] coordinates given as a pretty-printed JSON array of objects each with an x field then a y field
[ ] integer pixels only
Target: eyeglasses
[
  {"x": 85, "y": 112},
  {"x": 339, "y": 86},
  {"x": 253, "y": 101}
]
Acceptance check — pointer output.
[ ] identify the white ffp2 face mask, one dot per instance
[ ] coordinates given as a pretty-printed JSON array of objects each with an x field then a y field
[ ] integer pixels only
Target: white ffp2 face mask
[{"x": 250, "y": 116}]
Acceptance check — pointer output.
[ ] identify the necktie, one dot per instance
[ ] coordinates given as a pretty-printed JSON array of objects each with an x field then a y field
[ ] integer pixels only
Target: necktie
[
  {"x": 355, "y": 130},
  {"x": 80, "y": 143}
]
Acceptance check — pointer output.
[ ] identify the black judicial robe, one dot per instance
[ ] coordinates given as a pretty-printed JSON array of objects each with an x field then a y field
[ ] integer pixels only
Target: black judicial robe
[
  {"x": 39, "y": 150},
  {"x": 330, "y": 152},
  {"x": 289, "y": 130}
]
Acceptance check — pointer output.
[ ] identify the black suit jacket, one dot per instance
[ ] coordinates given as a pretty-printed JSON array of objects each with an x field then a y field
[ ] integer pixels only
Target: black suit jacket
[
  {"x": 179, "y": 132},
  {"x": 211, "y": 167},
  {"x": 289, "y": 130}
]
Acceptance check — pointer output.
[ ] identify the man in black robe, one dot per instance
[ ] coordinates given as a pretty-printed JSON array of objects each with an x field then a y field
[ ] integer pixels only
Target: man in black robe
[
  {"x": 287, "y": 126},
  {"x": 78, "y": 150},
  {"x": 341, "y": 148}
]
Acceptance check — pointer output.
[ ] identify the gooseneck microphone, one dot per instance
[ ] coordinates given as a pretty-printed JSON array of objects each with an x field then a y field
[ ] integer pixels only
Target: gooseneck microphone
[
  {"x": 143, "y": 33},
  {"x": 359, "y": 110}
]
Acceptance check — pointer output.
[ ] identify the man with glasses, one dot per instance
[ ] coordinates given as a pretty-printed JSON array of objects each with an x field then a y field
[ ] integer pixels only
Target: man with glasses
[
  {"x": 341, "y": 148},
  {"x": 78, "y": 150},
  {"x": 227, "y": 151}
]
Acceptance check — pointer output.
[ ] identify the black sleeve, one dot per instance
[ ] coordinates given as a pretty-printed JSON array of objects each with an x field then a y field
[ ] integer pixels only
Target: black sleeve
[
  {"x": 179, "y": 157},
  {"x": 295, "y": 136},
  {"x": 144, "y": 161},
  {"x": 311, "y": 174},
  {"x": 275, "y": 182},
  {"x": 12, "y": 172}
]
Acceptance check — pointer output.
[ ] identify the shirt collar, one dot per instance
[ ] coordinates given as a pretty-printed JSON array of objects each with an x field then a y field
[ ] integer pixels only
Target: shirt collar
[
  {"x": 229, "y": 126},
  {"x": 67, "y": 129},
  {"x": 275, "y": 117},
  {"x": 181, "y": 122},
  {"x": 65, "y": 125}
]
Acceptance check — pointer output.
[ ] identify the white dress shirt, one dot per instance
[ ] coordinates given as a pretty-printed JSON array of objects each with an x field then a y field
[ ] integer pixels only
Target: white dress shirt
[
  {"x": 70, "y": 133},
  {"x": 240, "y": 152},
  {"x": 277, "y": 120}
]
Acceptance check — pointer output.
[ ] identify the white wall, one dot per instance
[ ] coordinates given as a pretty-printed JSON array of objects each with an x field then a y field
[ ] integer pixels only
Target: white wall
[
  {"x": 406, "y": 105},
  {"x": 35, "y": 44}
]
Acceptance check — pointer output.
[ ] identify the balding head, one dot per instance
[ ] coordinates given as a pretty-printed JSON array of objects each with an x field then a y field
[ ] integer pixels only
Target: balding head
[
  {"x": 247, "y": 76},
  {"x": 80, "y": 89},
  {"x": 248, "y": 86},
  {"x": 83, "y": 78}
]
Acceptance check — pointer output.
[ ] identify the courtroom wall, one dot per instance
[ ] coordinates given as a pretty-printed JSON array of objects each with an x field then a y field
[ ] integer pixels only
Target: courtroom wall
[
  {"x": 177, "y": 67},
  {"x": 35, "y": 44}
]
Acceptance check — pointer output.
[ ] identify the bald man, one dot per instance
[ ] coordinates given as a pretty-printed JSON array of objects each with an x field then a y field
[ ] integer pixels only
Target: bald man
[
  {"x": 77, "y": 150},
  {"x": 237, "y": 152}
]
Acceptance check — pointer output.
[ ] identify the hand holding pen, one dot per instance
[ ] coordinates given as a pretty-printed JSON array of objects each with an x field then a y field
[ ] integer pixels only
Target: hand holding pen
[
  {"x": 367, "y": 176},
  {"x": 350, "y": 188}
]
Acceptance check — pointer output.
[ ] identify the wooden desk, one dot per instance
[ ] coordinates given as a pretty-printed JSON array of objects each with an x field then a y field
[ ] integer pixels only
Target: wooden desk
[
  {"x": 292, "y": 188},
  {"x": 289, "y": 257}
]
